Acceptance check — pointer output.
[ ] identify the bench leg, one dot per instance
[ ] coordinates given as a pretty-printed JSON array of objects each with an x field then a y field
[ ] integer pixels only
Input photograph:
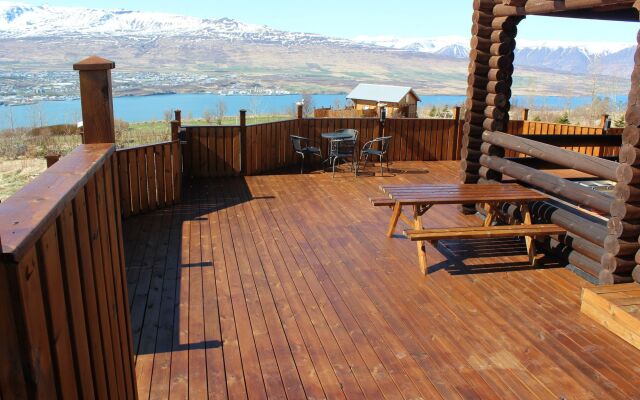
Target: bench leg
[
  {"x": 491, "y": 213},
  {"x": 422, "y": 251},
  {"x": 397, "y": 210},
  {"x": 529, "y": 240}
]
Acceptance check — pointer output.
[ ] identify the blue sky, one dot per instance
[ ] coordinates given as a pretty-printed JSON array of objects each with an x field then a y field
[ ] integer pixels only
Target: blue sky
[{"x": 348, "y": 18}]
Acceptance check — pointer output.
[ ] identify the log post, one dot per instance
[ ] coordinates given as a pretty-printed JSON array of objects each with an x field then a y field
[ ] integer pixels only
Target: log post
[
  {"x": 627, "y": 159},
  {"x": 52, "y": 159},
  {"x": 97, "y": 100},
  {"x": 525, "y": 114},
  {"x": 456, "y": 151},
  {"x": 243, "y": 142},
  {"x": 178, "y": 117},
  {"x": 299, "y": 110},
  {"x": 175, "y": 130}
]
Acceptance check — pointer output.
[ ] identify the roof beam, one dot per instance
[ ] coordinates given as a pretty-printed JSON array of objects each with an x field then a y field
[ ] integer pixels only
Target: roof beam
[{"x": 544, "y": 7}]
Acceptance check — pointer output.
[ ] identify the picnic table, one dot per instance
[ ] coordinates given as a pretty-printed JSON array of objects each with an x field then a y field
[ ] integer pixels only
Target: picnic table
[{"x": 422, "y": 197}]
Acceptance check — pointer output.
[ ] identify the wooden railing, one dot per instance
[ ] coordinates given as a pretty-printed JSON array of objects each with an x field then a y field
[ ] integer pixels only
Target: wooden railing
[
  {"x": 212, "y": 151},
  {"x": 64, "y": 320},
  {"x": 525, "y": 128},
  {"x": 219, "y": 150},
  {"x": 268, "y": 146},
  {"x": 150, "y": 177}
]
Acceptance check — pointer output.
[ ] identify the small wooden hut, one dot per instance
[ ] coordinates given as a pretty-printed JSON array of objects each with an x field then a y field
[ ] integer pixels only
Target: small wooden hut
[
  {"x": 601, "y": 248},
  {"x": 400, "y": 101}
]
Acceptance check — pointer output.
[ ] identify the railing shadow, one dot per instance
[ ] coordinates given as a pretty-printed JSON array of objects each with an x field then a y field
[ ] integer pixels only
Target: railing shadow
[{"x": 158, "y": 276}]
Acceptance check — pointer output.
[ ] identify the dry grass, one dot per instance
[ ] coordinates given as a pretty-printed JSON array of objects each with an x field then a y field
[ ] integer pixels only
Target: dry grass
[{"x": 14, "y": 174}]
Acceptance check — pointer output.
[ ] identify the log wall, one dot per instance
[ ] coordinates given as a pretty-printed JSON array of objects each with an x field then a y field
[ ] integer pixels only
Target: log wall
[
  {"x": 601, "y": 247},
  {"x": 64, "y": 315},
  {"x": 150, "y": 177}
]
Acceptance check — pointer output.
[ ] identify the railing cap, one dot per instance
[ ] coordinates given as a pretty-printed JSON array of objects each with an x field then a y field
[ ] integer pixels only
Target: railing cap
[{"x": 94, "y": 63}]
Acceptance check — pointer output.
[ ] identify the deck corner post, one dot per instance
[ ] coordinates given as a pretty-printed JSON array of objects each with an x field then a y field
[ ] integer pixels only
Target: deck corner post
[
  {"x": 178, "y": 116},
  {"x": 525, "y": 114},
  {"x": 243, "y": 142},
  {"x": 96, "y": 98}
]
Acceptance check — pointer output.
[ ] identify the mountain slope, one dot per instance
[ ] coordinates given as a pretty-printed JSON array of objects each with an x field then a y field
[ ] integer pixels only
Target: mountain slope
[{"x": 172, "y": 53}]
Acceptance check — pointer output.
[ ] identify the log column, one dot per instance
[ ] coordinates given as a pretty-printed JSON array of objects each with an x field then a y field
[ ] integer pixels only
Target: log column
[
  {"x": 489, "y": 89},
  {"x": 96, "y": 99},
  {"x": 628, "y": 191}
]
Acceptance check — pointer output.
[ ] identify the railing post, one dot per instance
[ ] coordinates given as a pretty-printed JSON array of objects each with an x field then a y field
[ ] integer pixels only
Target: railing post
[
  {"x": 299, "y": 108},
  {"x": 243, "y": 142},
  {"x": 525, "y": 114},
  {"x": 178, "y": 117},
  {"x": 455, "y": 152},
  {"x": 603, "y": 122},
  {"x": 175, "y": 130},
  {"x": 52, "y": 159},
  {"x": 97, "y": 100}
]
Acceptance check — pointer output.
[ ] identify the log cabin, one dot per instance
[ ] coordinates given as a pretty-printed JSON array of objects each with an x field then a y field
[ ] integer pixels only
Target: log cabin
[{"x": 399, "y": 101}]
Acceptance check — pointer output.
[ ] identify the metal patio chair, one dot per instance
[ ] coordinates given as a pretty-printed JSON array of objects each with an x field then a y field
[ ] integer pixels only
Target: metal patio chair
[
  {"x": 301, "y": 146},
  {"x": 343, "y": 149},
  {"x": 370, "y": 149},
  {"x": 353, "y": 132}
]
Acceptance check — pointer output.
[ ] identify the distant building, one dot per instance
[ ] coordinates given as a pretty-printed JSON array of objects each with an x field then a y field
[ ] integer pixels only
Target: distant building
[{"x": 400, "y": 101}]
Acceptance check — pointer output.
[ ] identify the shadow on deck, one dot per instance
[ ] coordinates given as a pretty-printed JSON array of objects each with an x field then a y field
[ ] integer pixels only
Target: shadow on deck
[{"x": 286, "y": 286}]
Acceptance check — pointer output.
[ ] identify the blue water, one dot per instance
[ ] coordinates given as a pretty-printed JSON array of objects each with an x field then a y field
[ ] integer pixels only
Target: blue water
[{"x": 147, "y": 108}]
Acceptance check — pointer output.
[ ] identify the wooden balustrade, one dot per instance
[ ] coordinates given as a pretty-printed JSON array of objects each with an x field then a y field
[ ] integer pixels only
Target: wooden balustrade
[
  {"x": 64, "y": 313},
  {"x": 150, "y": 177},
  {"x": 212, "y": 151}
]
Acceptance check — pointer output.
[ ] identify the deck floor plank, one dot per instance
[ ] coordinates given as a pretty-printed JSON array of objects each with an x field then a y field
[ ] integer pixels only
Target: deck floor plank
[{"x": 285, "y": 286}]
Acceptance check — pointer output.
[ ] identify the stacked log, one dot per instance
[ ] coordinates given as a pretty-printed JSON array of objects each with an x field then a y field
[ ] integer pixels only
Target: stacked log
[
  {"x": 489, "y": 86},
  {"x": 628, "y": 190},
  {"x": 586, "y": 246}
]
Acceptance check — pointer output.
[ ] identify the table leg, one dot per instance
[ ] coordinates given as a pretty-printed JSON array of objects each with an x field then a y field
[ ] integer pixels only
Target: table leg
[
  {"x": 491, "y": 214},
  {"x": 422, "y": 253},
  {"x": 397, "y": 210},
  {"x": 529, "y": 240}
]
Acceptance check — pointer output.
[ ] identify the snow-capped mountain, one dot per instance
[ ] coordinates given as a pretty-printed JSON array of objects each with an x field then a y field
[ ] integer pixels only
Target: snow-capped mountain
[
  {"x": 27, "y": 21},
  {"x": 20, "y": 21},
  {"x": 566, "y": 56}
]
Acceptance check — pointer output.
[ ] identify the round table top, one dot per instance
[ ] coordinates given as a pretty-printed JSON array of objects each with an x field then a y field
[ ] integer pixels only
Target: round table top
[{"x": 336, "y": 135}]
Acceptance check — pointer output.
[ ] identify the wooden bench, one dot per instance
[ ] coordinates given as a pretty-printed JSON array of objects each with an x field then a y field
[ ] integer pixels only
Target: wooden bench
[
  {"x": 382, "y": 201},
  {"x": 529, "y": 231}
]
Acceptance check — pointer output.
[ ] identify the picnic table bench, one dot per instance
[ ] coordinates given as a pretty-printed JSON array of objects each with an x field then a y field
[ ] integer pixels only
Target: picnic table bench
[{"x": 422, "y": 197}]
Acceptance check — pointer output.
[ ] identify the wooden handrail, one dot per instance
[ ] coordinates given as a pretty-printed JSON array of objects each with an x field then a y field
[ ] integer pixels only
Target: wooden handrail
[{"x": 27, "y": 214}]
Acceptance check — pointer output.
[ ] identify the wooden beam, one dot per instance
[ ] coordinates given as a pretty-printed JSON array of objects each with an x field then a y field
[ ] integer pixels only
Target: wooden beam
[
  {"x": 551, "y": 183},
  {"x": 567, "y": 158}
]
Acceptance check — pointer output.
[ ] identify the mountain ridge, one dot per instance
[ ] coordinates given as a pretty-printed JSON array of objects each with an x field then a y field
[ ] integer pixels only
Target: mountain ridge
[{"x": 26, "y": 21}]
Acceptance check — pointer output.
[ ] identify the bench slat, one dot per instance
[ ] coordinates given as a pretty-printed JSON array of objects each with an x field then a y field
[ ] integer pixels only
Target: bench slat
[
  {"x": 382, "y": 201},
  {"x": 484, "y": 232}
]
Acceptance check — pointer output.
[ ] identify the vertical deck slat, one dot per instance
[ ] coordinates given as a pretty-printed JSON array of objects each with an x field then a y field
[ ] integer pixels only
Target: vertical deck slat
[
  {"x": 90, "y": 296},
  {"x": 57, "y": 317},
  {"x": 75, "y": 304}
]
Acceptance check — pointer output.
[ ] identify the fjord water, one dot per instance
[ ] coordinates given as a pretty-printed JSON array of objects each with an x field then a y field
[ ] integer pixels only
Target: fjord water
[{"x": 149, "y": 108}]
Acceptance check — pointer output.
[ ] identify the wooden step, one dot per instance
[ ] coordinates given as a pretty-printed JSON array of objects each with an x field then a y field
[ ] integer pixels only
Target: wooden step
[
  {"x": 484, "y": 232},
  {"x": 382, "y": 201},
  {"x": 617, "y": 308}
]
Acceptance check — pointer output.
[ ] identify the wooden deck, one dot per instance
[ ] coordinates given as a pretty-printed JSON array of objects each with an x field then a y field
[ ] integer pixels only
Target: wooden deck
[{"x": 286, "y": 286}]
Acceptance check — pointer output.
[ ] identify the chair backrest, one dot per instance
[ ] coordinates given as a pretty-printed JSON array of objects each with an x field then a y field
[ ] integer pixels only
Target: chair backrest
[
  {"x": 352, "y": 132},
  {"x": 384, "y": 143},
  {"x": 343, "y": 147},
  {"x": 298, "y": 142}
]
